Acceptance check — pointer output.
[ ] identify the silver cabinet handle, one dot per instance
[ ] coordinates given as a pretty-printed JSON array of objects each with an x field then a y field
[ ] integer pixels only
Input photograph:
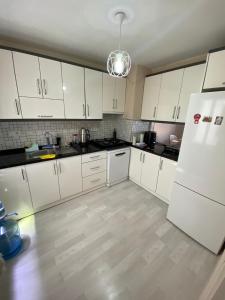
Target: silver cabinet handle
[
  {"x": 17, "y": 107},
  {"x": 23, "y": 174},
  {"x": 55, "y": 168},
  {"x": 178, "y": 112},
  {"x": 45, "y": 86},
  {"x": 161, "y": 165},
  {"x": 60, "y": 169},
  {"x": 44, "y": 116},
  {"x": 96, "y": 156},
  {"x": 38, "y": 86},
  {"x": 154, "y": 113},
  {"x": 141, "y": 156},
  {"x": 113, "y": 106},
  {"x": 88, "y": 111},
  {"x": 95, "y": 168},
  {"x": 116, "y": 103},
  {"x": 95, "y": 180},
  {"x": 84, "y": 110},
  {"x": 174, "y": 112}
]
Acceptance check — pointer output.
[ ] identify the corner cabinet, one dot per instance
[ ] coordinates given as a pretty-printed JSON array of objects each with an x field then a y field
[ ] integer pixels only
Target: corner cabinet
[
  {"x": 93, "y": 93},
  {"x": 9, "y": 100},
  {"x": 154, "y": 173},
  {"x": 215, "y": 71},
  {"x": 114, "y": 93}
]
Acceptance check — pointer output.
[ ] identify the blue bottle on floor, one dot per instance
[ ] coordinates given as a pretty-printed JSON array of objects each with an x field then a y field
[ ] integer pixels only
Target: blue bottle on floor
[{"x": 10, "y": 239}]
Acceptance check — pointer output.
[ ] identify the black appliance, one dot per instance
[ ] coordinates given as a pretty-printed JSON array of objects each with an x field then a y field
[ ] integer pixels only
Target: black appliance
[
  {"x": 110, "y": 143},
  {"x": 150, "y": 138}
]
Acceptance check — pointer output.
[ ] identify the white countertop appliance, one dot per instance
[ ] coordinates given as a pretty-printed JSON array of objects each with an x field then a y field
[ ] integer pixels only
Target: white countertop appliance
[
  {"x": 198, "y": 198},
  {"x": 117, "y": 165}
]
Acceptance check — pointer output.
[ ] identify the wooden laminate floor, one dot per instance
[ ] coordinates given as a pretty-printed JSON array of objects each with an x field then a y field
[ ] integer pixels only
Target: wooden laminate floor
[{"x": 114, "y": 243}]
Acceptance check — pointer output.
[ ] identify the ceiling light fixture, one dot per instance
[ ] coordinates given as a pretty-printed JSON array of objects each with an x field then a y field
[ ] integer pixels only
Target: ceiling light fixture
[{"x": 119, "y": 61}]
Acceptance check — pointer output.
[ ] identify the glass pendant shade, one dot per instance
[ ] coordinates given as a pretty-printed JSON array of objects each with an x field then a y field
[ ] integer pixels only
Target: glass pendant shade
[{"x": 119, "y": 63}]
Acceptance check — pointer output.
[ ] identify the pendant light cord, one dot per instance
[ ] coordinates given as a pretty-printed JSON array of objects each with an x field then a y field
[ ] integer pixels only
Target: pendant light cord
[{"x": 121, "y": 16}]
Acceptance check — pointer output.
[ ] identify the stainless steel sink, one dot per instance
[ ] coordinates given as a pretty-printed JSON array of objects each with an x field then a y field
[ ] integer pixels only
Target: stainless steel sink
[{"x": 37, "y": 154}]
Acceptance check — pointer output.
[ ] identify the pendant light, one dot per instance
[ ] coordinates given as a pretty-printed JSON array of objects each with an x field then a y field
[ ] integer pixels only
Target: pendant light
[{"x": 119, "y": 61}]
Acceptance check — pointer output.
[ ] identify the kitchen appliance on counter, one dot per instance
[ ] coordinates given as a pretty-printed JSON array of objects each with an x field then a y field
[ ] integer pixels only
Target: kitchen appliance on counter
[
  {"x": 110, "y": 143},
  {"x": 84, "y": 136},
  {"x": 117, "y": 165},
  {"x": 197, "y": 203},
  {"x": 150, "y": 138}
]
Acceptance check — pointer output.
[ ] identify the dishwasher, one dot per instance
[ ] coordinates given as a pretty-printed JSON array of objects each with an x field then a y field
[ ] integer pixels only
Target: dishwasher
[{"x": 117, "y": 165}]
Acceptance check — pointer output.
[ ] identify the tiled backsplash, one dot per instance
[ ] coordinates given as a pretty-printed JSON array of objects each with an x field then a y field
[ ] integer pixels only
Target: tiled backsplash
[{"x": 16, "y": 134}]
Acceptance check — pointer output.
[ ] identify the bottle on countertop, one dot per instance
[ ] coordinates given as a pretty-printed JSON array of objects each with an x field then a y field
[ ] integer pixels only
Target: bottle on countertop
[{"x": 114, "y": 134}]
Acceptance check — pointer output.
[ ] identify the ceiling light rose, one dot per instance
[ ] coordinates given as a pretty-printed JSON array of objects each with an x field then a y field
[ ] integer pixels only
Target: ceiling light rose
[{"x": 119, "y": 61}]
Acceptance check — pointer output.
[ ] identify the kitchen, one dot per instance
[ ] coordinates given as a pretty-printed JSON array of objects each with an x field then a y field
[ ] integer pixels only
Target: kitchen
[{"x": 114, "y": 169}]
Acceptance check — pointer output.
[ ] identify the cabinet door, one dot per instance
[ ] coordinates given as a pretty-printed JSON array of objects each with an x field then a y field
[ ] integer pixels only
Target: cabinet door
[
  {"x": 169, "y": 95},
  {"x": 93, "y": 91},
  {"x": 109, "y": 103},
  {"x": 135, "y": 165},
  {"x": 42, "y": 108},
  {"x": 70, "y": 178},
  {"x": 73, "y": 89},
  {"x": 9, "y": 101},
  {"x": 151, "y": 97},
  {"x": 150, "y": 170},
  {"x": 166, "y": 178},
  {"x": 120, "y": 94},
  {"x": 215, "y": 72},
  {"x": 43, "y": 182},
  {"x": 27, "y": 75},
  {"x": 51, "y": 78},
  {"x": 14, "y": 191},
  {"x": 192, "y": 82}
]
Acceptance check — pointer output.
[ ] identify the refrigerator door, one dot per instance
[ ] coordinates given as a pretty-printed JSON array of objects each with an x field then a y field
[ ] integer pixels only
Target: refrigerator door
[
  {"x": 201, "y": 164},
  {"x": 199, "y": 217}
]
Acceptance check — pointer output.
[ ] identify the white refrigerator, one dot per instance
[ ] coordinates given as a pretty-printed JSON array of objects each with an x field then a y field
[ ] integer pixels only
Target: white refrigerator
[{"x": 198, "y": 197}]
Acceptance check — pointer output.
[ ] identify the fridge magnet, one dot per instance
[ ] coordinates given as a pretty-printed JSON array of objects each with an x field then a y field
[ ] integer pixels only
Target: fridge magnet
[
  {"x": 197, "y": 117},
  {"x": 218, "y": 120},
  {"x": 207, "y": 119}
]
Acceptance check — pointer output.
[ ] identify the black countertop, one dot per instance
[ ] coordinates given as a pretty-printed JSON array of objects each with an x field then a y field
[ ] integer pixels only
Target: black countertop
[{"x": 161, "y": 150}]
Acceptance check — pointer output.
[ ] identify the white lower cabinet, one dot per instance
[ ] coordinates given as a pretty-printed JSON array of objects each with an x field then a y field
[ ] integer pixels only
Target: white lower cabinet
[
  {"x": 166, "y": 178},
  {"x": 14, "y": 191},
  {"x": 94, "y": 181},
  {"x": 152, "y": 172},
  {"x": 70, "y": 178},
  {"x": 43, "y": 182}
]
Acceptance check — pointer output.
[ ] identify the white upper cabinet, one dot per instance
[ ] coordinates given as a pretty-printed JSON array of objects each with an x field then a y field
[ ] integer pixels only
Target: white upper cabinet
[
  {"x": 114, "y": 93},
  {"x": 166, "y": 178},
  {"x": 150, "y": 170},
  {"x": 9, "y": 101},
  {"x": 42, "y": 108},
  {"x": 51, "y": 78},
  {"x": 120, "y": 94},
  {"x": 70, "y": 178},
  {"x": 192, "y": 82},
  {"x": 73, "y": 88},
  {"x": 215, "y": 71},
  {"x": 169, "y": 95},
  {"x": 27, "y": 75},
  {"x": 93, "y": 93},
  {"x": 151, "y": 97}
]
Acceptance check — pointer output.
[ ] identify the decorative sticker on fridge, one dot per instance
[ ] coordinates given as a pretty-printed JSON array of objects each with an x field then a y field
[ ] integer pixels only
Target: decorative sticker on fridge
[
  {"x": 197, "y": 118},
  {"x": 218, "y": 120},
  {"x": 207, "y": 119}
]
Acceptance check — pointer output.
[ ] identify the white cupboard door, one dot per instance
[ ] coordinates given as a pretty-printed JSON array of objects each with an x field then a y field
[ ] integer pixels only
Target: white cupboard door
[
  {"x": 93, "y": 92},
  {"x": 9, "y": 101},
  {"x": 51, "y": 78},
  {"x": 109, "y": 103},
  {"x": 169, "y": 95},
  {"x": 70, "y": 178},
  {"x": 43, "y": 182},
  {"x": 192, "y": 82},
  {"x": 166, "y": 178},
  {"x": 151, "y": 97},
  {"x": 14, "y": 191},
  {"x": 120, "y": 94},
  {"x": 135, "y": 165},
  {"x": 42, "y": 108},
  {"x": 215, "y": 72},
  {"x": 73, "y": 89},
  {"x": 150, "y": 170},
  {"x": 27, "y": 75}
]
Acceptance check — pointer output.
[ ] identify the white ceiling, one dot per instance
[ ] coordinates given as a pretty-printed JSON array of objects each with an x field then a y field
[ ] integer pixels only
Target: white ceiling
[{"x": 160, "y": 32}]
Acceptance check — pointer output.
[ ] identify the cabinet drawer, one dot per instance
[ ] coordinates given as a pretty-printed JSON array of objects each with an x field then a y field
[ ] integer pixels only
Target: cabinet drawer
[
  {"x": 93, "y": 156},
  {"x": 93, "y": 181},
  {"x": 93, "y": 167}
]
